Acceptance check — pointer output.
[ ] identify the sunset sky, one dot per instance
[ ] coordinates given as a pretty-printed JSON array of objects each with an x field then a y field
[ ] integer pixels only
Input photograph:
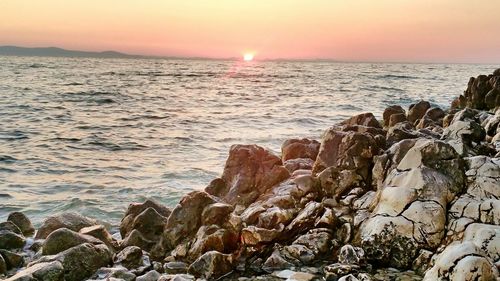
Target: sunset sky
[{"x": 353, "y": 30}]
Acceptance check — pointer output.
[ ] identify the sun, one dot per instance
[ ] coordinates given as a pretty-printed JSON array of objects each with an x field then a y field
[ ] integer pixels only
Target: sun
[{"x": 248, "y": 57}]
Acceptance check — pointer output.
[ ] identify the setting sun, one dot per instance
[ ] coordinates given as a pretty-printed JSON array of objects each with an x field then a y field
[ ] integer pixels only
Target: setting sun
[{"x": 248, "y": 57}]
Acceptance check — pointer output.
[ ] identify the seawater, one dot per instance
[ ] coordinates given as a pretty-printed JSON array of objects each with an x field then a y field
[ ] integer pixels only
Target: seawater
[{"x": 93, "y": 135}]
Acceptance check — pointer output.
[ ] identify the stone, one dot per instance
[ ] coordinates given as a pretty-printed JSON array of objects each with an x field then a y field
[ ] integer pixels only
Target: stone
[
  {"x": 336, "y": 182},
  {"x": 212, "y": 238},
  {"x": 45, "y": 271},
  {"x": 120, "y": 273},
  {"x": 10, "y": 226},
  {"x": 130, "y": 257},
  {"x": 11, "y": 240},
  {"x": 401, "y": 131},
  {"x": 476, "y": 92},
  {"x": 152, "y": 275},
  {"x": 276, "y": 262},
  {"x": 299, "y": 148},
  {"x": 100, "y": 232},
  {"x": 80, "y": 262},
  {"x": 417, "y": 111},
  {"x": 396, "y": 119},
  {"x": 211, "y": 265},
  {"x": 177, "y": 277},
  {"x": 70, "y": 221},
  {"x": 12, "y": 260},
  {"x": 364, "y": 119},
  {"x": 250, "y": 171},
  {"x": 293, "y": 165},
  {"x": 135, "y": 238},
  {"x": 422, "y": 262},
  {"x": 63, "y": 239},
  {"x": 253, "y": 235},
  {"x": 216, "y": 213},
  {"x": 349, "y": 277},
  {"x": 434, "y": 114},
  {"x": 22, "y": 221},
  {"x": 175, "y": 267},
  {"x": 351, "y": 255},
  {"x": 336, "y": 270},
  {"x": 390, "y": 111},
  {"x": 3, "y": 266},
  {"x": 305, "y": 219}
]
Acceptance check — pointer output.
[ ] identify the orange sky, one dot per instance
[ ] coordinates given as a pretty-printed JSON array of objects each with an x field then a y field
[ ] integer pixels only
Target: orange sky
[{"x": 360, "y": 30}]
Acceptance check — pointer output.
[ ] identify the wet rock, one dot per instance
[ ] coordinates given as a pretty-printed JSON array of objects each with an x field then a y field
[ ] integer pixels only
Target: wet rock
[
  {"x": 462, "y": 261},
  {"x": 80, "y": 262},
  {"x": 390, "y": 111},
  {"x": 11, "y": 240},
  {"x": 12, "y": 260},
  {"x": 101, "y": 233},
  {"x": 351, "y": 255},
  {"x": 130, "y": 257},
  {"x": 71, "y": 221},
  {"x": 417, "y": 111},
  {"x": 152, "y": 275},
  {"x": 22, "y": 221},
  {"x": 364, "y": 119},
  {"x": 346, "y": 151},
  {"x": 10, "y": 226},
  {"x": 299, "y": 148},
  {"x": 45, "y": 271},
  {"x": 250, "y": 170},
  {"x": 63, "y": 239},
  {"x": 211, "y": 265}
]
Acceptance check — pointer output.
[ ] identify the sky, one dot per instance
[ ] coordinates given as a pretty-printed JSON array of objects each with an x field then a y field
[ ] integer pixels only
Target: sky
[{"x": 345, "y": 30}]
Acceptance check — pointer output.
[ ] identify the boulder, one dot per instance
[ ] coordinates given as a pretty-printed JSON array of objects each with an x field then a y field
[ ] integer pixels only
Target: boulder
[
  {"x": 70, "y": 221},
  {"x": 390, "y": 111},
  {"x": 10, "y": 226},
  {"x": 364, "y": 119},
  {"x": 63, "y": 239},
  {"x": 113, "y": 273},
  {"x": 11, "y": 240},
  {"x": 396, "y": 119},
  {"x": 101, "y": 233},
  {"x": 435, "y": 114},
  {"x": 44, "y": 271},
  {"x": 476, "y": 91},
  {"x": 351, "y": 255},
  {"x": 135, "y": 238},
  {"x": 12, "y": 260},
  {"x": 152, "y": 275},
  {"x": 212, "y": 238},
  {"x": 417, "y": 111},
  {"x": 130, "y": 257},
  {"x": 22, "y": 221},
  {"x": 401, "y": 131},
  {"x": 299, "y": 148},
  {"x": 3, "y": 266},
  {"x": 250, "y": 170},
  {"x": 211, "y": 265}
]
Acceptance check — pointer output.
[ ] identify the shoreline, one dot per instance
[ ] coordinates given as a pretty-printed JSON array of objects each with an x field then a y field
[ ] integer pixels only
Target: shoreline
[{"x": 370, "y": 201}]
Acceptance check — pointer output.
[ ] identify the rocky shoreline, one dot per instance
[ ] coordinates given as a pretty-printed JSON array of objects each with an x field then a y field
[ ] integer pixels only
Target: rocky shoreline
[{"x": 415, "y": 197}]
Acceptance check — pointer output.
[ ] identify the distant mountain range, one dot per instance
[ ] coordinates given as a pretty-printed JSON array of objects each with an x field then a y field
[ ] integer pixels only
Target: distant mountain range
[{"x": 58, "y": 52}]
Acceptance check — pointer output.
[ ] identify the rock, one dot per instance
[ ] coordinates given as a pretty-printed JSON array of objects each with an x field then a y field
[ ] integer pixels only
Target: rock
[
  {"x": 276, "y": 262},
  {"x": 400, "y": 131},
  {"x": 12, "y": 260},
  {"x": 149, "y": 218},
  {"x": 101, "y": 233},
  {"x": 299, "y": 148},
  {"x": 216, "y": 213},
  {"x": 410, "y": 211},
  {"x": 152, "y": 275},
  {"x": 336, "y": 182},
  {"x": 250, "y": 170},
  {"x": 336, "y": 270},
  {"x": 396, "y": 119},
  {"x": 422, "y": 262},
  {"x": 177, "y": 277},
  {"x": 175, "y": 267},
  {"x": 364, "y": 119},
  {"x": 305, "y": 219},
  {"x": 351, "y": 255},
  {"x": 492, "y": 98},
  {"x": 476, "y": 92},
  {"x": 294, "y": 276},
  {"x": 45, "y": 271},
  {"x": 462, "y": 134},
  {"x": 135, "y": 238},
  {"x": 120, "y": 273},
  {"x": 10, "y": 226},
  {"x": 346, "y": 151},
  {"x": 434, "y": 113},
  {"x": 22, "y": 222},
  {"x": 185, "y": 219},
  {"x": 293, "y": 165},
  {"x": 349, "y": 277},
  {"x": 3, "y": 266},
  {"x": 213, "y": 238},
  {"x": 417, "y": 111},
  {"x": 80, "y": 262},
  {"x": 390, "y": 111},
  {"x": 63, "y": 239},
  {"x": 130, "y": 257},
  {"x": 70, "y": 221},
  {"x": 253, "y": 235},
  {"x": 211, "y": 265},
  {"x": 11, "y": 240},
  {"x": 462, "y": 261}
]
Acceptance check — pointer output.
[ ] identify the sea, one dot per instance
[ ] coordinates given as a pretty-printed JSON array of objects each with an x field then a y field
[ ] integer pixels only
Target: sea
[{"x": 93, "y": 135}]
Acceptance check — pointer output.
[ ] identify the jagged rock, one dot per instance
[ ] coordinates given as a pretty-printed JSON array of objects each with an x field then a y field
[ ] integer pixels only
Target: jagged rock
[
  {"x": 422, "y": 261},
  {"x": 135, "y": 238},
  {"x": 390, "y": 111},
  {"x": 130, "y": 257},
  {"x": 22, "y": 221},
  {"x": 290, "y": 275},
  {"x": 299, "y": 148},
  {"x": 410, "y": 211},
  {"x": 351, "y": 255},
  {"x": 152, "y": 275},
  {"x": 45, "y": 271},
  {"x": 71, "y": 221},
  {"x": 211, "y": 265},
  {"x": 293, "y": 165},
  {"x": 305, "y": 219},
  {"x": 300, "y": 253},
  {"x": 276, "y": 262},
  {"x": 476, "y": 92},
  {"x": 120, "y": 273},
  {"x": 349, "y": 277},
  {"x": 335, "y": 181},
  {"x": 346, "y": 150},
  {"x": 462, "y": 134},
  {"x": 216, "y": 213},
  {"x": 417, "y": 111},
  {"x": 400, "y": 131},
  {"x": 336, "y": 270},
  {"x": 11, "y": 240},
  {"x": 100, "y": 232},
  {"x": 253, "y": 235},
  {"x": 185, "y": 219},
  {"x": 364, "y": 119},
  {"x": 212, "y": 238},
  {"x": 396, "y": 119},
  {"x": 63, "y": 239},
  {"x": 80, "y": 262},
  {"x": 12, "y": 260},
  {"x": 462, "y": 261},
  {"x": 250, "y": 170}
]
